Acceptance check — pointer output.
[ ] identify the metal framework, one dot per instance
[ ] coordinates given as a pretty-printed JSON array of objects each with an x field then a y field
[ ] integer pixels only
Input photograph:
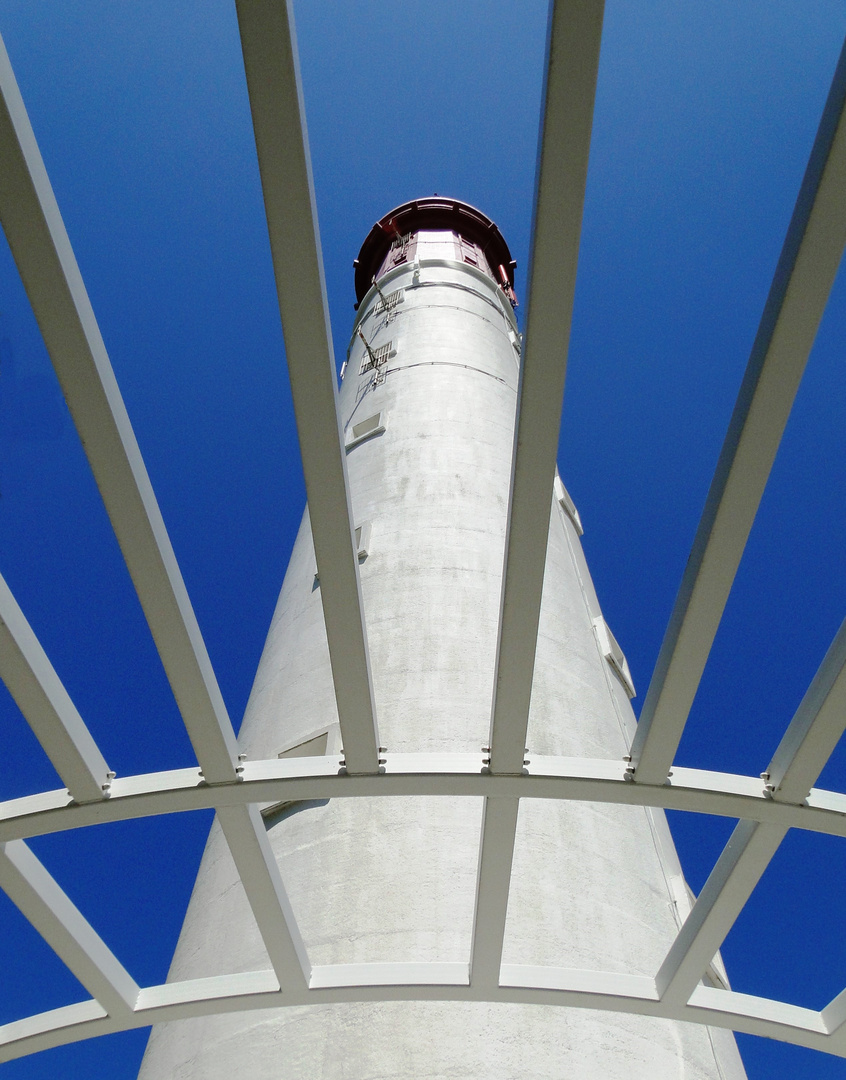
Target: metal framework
[{"x": 766, "y": 807}]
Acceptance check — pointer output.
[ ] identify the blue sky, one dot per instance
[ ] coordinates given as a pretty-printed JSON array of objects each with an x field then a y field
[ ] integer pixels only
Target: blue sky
[{"x": 705, "y": 117}]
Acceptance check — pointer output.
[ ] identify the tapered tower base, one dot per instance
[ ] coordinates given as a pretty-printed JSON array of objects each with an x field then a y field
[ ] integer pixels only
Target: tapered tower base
[{"x": 428, "y": 403}]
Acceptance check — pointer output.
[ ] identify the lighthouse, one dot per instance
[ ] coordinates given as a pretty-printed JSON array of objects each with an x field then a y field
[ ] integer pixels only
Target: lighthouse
[{"x": 427, "y": 406}]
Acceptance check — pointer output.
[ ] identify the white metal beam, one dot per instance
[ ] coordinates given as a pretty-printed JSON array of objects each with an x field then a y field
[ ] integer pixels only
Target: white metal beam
[
  {"x": 56, "y": 1027},
  {"x": 425, "y": 973},
  {"x": 753, "y": 1015},
  {"x": 54, "y": 285},
  {"x": 28, "y": 884},
  {"x": 738, "y": 870},
  {"x": 46, "y": 706},
  {"x": 812, "y": 735},
  {"x": 572, "y": 62},
  {"x": 50, "y": 274},
  {"x": 798, "y": 295},
  {"x": 815, "y": 729},
  {"x": 268, "y": 41},
  {"x": 415, "y": 775},
  {"x": 493, "y": 879},
  {"x": 248, "y": 991},
  {"x": 834, "y": 1019},
  {"x": 259, "y": 875}
]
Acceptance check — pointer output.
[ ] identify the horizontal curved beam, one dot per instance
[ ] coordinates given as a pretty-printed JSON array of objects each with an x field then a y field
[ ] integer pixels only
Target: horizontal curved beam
[
  {"x": 379, "y": 982},
  {"x": 454, "y": 775}
]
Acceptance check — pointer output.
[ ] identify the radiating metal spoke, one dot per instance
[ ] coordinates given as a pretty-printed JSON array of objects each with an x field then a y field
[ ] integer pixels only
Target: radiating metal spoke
[
  {"x": 493, "y": 878},
  {"x": 834, "y": 1020},
  {"x": 812, "y": 735},
  {"x": 29, "y": 885},
  {"x": 803, "y": 279},
  {"x": 54, "y": 285},
  {"x": 815, "y": 729},
  {"x": 730, "y": 884},
  {"x": 572, "y": 62},
  {"x": 46, "y": 706},
  {"x": 270, "y": 60},
  {"x": 259, "y": 875},
  {"x": 59, "y": 300}
]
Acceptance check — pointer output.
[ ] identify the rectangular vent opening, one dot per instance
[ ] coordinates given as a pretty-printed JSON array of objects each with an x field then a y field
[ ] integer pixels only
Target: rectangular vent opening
[
  {"x": 316, "y": 746},
  {"x": 366, "y": 429},
  {"x": 562, "y": 497},
  {"x": 610, "y": 649}
]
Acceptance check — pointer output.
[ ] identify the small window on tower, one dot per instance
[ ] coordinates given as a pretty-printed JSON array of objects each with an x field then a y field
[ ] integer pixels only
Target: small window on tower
[
  {"x": 388, "y": 303},
  {"x": 375, "y": 358},
  {"x": 399, "y": 249},
  {"x": 469, "y": 251}
]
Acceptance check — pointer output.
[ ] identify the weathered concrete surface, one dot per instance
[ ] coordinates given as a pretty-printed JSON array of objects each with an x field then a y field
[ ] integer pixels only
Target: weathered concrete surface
[{"x": 394, "y": 879}]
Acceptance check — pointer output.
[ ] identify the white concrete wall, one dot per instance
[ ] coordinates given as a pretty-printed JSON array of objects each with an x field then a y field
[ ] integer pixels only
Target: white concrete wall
[{"x": 394, "y": 879}]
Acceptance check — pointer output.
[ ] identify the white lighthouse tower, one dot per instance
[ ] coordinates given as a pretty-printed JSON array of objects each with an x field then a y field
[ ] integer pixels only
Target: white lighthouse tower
[{"x": 427, "y": 404}]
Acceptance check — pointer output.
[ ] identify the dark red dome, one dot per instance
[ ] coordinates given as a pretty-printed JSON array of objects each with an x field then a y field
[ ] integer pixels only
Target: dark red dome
[{"x": 432, "y": 213}]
